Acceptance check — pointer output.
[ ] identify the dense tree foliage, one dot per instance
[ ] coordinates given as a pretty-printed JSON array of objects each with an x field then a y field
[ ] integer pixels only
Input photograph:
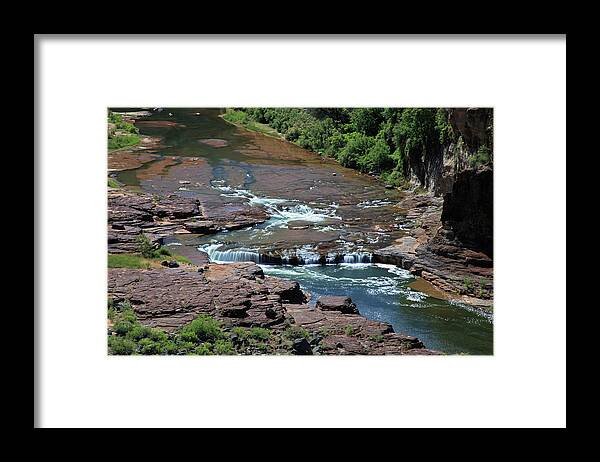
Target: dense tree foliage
[{"x": 375, "y": 140}]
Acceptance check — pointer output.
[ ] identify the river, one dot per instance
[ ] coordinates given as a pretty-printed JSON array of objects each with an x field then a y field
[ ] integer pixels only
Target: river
[{"x": 325, "y": 220}]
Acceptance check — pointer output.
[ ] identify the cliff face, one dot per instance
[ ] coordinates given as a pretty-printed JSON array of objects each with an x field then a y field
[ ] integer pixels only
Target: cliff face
[
  {"x": 468, "y": 209},
  {"x": 468, "y": 144},
  {"x": 454, "y": 249},
  {"x": 460, "y": 170}
]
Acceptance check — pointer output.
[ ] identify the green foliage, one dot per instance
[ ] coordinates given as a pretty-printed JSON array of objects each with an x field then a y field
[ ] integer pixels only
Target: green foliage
[
  {"x": 137, "y": 261},
  {"x": 121, "y": 346},
  {"x": 443, "y": 126},
  {"x": 415, "y": 130},
  {"x": 122, "y": 133},
  {"x": 202, "y": 336},
  {"x": 295, "y": 332},
  {"x": 112, "y": 183},
  {"x": 138, "y": 332},
  {"x": 162, "y": 251},
  {"x": 394, "y": 178},
  {"x": 203, "y": 350},
  {"x": 379, "y": 140},
  {"x": 223, "y": 347},
  {"x": 236, "y": 117},
  {"x": 121, "y": 141},
  {"x": 260, "y": 333},
  {"x": 377, "y": 338},
  {"x": 348, "y": 330},
  {"x": 127, "y": 260},
  {"x": 366, "y": 120},
  {"x": 377, "y": 158},
  {"x": 468, "y": 284},
  {"x": 241, "y": 332},
  {"x": 147, "y": 346},
  {"x": 145, "y": 246},
  {"x": 123, "y": 327},
  {"x": 203, "y": 329},
  {"x": 357, "y": 146},
  {"x": 481, "y": 157}
]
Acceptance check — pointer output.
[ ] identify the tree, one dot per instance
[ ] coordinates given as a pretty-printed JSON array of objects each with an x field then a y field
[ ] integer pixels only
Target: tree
[{"x": 366, "y": 120}]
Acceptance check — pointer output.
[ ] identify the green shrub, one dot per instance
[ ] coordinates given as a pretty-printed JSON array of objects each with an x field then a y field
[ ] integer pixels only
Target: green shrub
[
  {"x": 123, "y": 327},
  {"x": 145, "y": 246},
  {"x": 481, "y": 157},
  {"x": 162, "y": 251},
  {"x": 138, "y": 332},
  {"x": 241, "y": 332},
  {"x": 348, "y": 330},
  {"x": 295, "y": 332},
  {"x": 204, "y": 329},
  {"x": 121, "y": 346},
  {"x": 203, "y": 350},
  {"x": 260, "y": 333},
  {"x": 170, "y": 347},
  {"x": 148, "y": 346},
  {"x": 223, "y": 347}
]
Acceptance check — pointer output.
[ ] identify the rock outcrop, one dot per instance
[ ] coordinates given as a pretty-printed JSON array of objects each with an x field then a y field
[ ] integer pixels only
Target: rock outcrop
[
  {"x": 337, "y": 303},
  {"x": 130, "y": 214},
  {"x": 450, "y": 242},
  {"x": 241, "y": 295},
  {"x": 451, "y": 250}
]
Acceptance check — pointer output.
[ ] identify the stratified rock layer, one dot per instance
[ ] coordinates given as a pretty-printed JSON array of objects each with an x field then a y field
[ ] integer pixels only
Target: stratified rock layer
[
  {"x": 240, "y": 295},
  {"x": 130, "y": 214}
]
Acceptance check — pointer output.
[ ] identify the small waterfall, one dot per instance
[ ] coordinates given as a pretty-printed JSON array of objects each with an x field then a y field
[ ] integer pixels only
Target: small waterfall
[
  {"x": 358, "y": 258},
  {"x": 228, "y": 256},
  {"x": 301, "y": 256}
]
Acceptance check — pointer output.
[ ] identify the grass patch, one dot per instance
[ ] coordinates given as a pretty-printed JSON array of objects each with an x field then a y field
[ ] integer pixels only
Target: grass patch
[
  {"x": 121, "y": 141},
  {"x": 128, "y": 260},
  {"x": 241, "y": 118},
  {"x": 112, "y": 183},
  {"x": 138, "y": 261}
]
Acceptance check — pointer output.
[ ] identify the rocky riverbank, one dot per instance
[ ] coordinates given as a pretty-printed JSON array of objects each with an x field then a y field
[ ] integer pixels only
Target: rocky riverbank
[
  {"x": 439, "y": 246},
  {"x": 443, "y": 230},
  {"x": 194, "y": 184},
  {"x": 240, "y": 295}
]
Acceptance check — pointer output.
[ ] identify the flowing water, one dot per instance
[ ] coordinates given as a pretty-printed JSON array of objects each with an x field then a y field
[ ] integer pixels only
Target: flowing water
[
  {"x": 324, "y": 222},
  {"x": 382, "y": 292}
]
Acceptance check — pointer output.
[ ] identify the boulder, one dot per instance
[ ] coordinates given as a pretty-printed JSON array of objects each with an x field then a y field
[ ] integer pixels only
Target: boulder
[
  {"x": 302, "y": 347},
  {"x": 200, "y": 226},
  {"x": 335, "y": 303},
  {"x": 170, "y": 263}
]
